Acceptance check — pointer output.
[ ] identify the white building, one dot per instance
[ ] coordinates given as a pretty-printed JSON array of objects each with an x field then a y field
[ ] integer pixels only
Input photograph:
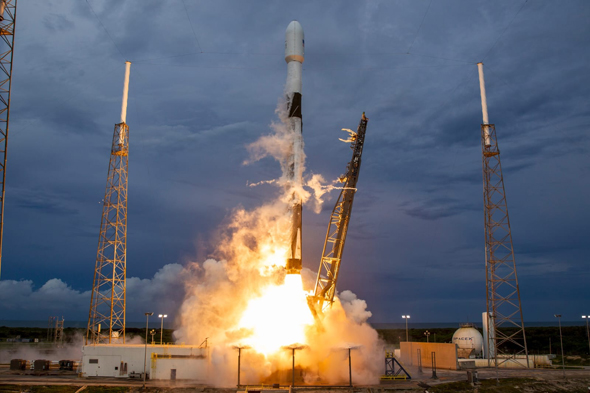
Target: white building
[{"x": 162, "y": 361}]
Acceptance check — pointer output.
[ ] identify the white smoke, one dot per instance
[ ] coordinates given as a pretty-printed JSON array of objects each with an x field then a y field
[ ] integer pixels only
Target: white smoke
[{"x": 71, "y": 350}]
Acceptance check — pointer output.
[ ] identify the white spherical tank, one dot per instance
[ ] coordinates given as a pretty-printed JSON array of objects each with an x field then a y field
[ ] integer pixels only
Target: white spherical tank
[{"x": 468, "y": 337}]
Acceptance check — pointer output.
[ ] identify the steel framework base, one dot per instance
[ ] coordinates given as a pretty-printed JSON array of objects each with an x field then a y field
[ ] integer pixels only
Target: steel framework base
[
  {"x": 502, "y": 291},
  {"x": 106, "y": 321}
]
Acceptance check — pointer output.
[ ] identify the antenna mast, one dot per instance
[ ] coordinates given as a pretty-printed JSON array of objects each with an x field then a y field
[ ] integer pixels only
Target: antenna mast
[
  {"x": 106, "y": 319},
  {"x": 504, "y": 310}
]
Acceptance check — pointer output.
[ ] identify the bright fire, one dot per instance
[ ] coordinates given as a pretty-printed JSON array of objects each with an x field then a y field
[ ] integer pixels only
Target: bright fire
[{"x": 278, "y": 318}]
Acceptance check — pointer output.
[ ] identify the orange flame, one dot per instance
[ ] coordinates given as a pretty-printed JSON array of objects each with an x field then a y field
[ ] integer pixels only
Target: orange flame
[{"x": 278, "y": 318}]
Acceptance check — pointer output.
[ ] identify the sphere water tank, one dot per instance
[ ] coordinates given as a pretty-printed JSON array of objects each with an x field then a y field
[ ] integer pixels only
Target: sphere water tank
[{"x": 467, "y": 338}]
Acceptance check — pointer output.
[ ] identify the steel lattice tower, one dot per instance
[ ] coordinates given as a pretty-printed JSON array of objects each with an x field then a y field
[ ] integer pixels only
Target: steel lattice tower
[
  {"x": 106, "y": 320},
  {"x": 502, "y": 291},
  {"x": 7, "y": 23},
  {"x": 325, "y": 285}
]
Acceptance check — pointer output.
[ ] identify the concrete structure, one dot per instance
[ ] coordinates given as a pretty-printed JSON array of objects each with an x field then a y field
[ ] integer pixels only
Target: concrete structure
[
  {"x": 168, "y": 362},
  {"x": 446, "y": 354},
  {"x": 469, "y": 341}
]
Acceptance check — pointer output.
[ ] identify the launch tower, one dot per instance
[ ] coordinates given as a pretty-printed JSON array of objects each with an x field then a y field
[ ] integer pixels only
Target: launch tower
[
  {"x": 504, "y": 309},
  {"x": 7, "y": 23},
  {"x": 106, "y": 320},
  {"x": 325, "y": 286}
]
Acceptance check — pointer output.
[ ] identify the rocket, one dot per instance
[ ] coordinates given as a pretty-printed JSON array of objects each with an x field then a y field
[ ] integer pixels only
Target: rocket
[{"x": 294, "y": 52}]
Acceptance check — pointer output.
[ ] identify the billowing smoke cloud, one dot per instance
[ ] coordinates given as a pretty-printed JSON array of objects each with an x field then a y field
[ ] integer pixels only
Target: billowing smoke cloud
[
  {"x": 250, "y": 258},
  {"x": 71, "y": 350},
  {"x": 278, "y": 145},
  {"x": 161, "y": 293}
]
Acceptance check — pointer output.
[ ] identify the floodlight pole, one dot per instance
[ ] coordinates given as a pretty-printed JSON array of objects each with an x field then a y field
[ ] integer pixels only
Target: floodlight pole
[
  {"x": 558, "y": 316},
  {"x": 293, "y": 370},
  {"x": 406, "y": 317},
  {"x": 239, "y": 360},
  {"x": 587, "y": 317},
  {"x": 162, "y": 326},
  {"x": 349, "y": 368},
  {"x": 147, "y": 317}
]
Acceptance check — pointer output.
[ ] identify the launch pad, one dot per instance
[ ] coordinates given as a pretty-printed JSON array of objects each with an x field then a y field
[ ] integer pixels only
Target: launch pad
[{"x": 194, "y": 363}]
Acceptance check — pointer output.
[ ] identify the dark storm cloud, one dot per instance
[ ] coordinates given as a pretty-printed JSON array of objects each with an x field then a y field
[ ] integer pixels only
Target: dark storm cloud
[
  {"x": 437, "y": 207},
  {"x": 205, "y": 81},
  {"x": 42, "y": 202}
]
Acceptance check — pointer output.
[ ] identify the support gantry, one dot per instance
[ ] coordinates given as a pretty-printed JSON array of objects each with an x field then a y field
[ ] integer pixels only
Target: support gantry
[
  {"x": 325, "y": 286},
  {"x": 503, "y": 304},
  {"x": 106, "y": 320}
]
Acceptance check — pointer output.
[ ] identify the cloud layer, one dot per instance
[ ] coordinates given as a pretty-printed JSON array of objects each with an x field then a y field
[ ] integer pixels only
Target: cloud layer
[
  {"x": 23, "y": 300},
  {"x": 204, "y": 84}
]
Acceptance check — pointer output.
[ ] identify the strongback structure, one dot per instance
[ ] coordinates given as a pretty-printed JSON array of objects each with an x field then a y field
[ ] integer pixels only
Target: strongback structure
[
  {"x": 106, "y": 320},
  {"x": 325, "y": 286},
  {"x": 506, "y": 325},
  {"x": 7, "y": 23}
]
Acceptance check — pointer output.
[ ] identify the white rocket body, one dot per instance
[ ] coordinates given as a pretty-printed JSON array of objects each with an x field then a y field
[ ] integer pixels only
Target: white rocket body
[
  {"x": 294, "y": 56},
  {"x": 124, "y": 102},
  {"x": 484, "y": 105},
  {"x": 125, "y": 92}
]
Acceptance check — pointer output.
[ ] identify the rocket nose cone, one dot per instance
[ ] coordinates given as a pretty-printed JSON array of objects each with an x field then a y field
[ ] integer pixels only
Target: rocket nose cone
[
  {"x": 294, "y": 42},
  {"x": 294, "y": 25}
]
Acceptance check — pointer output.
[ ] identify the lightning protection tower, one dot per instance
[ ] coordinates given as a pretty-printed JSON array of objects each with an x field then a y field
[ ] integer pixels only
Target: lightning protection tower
[
  {"x": 7, "y": 22},
  {"x": 106, "y": 320},
  {"x": 504, "y": 309}
]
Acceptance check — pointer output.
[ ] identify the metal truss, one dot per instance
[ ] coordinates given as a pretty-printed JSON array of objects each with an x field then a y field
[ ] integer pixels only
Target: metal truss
[
  {"x": 390, "y": 368},
  {"x": 50, "y": 328},
  {"x": 7, "y": 23},
  {"x": 327, "y": 277},
  {"x": 59, "y": 331},
  {"x": 106, "y": 321},
  {"x": 502, "y": 291}
]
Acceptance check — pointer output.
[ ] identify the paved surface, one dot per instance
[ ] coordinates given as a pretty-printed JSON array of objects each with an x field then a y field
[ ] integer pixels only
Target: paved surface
[{"x": 72, "y": 379}]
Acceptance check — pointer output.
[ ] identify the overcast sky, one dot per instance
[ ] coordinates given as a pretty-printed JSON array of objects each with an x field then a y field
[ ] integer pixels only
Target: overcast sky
[{"x": 205, "y": 81}]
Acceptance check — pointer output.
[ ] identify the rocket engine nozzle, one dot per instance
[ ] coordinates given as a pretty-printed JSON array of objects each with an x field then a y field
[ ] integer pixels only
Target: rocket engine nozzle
[{"x": 293, "y": 266}]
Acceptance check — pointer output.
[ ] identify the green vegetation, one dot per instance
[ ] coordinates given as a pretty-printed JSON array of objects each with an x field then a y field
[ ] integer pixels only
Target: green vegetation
[
  {"x": 575, "y": 340},
  {"x": 572, "y": 361},
  {"x": 70, "y": 334},
  {"x": 439, "y": 335}
]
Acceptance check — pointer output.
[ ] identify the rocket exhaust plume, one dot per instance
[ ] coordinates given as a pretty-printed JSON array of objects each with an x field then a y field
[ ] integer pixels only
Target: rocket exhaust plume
[{"x": 294, "y": 56}]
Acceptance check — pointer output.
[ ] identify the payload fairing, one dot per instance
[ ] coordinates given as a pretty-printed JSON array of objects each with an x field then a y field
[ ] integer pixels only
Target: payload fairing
[{"x": 294, "y": 56}]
